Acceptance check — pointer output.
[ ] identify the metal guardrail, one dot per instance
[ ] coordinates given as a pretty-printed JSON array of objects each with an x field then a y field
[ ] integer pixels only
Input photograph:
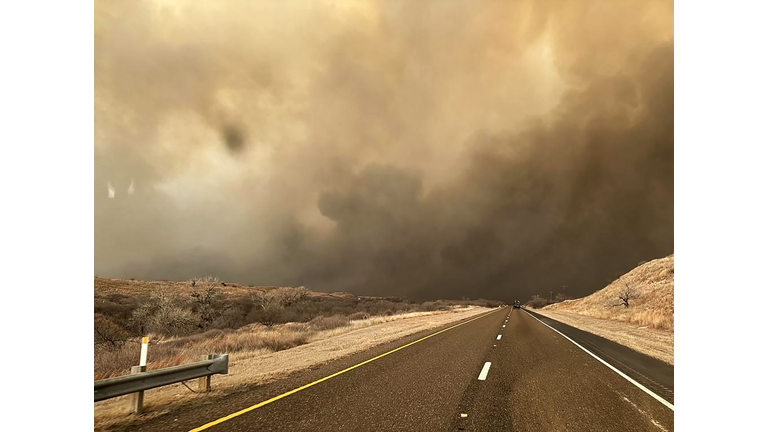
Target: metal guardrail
[{"x": 138, "y": 382}]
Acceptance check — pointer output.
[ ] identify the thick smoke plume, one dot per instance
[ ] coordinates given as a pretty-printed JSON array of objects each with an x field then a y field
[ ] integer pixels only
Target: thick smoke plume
[{"x": 428, "y": 149}]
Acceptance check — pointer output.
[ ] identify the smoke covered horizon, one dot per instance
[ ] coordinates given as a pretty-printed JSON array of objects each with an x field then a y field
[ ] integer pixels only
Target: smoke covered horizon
[{"x": 418, "y": 149}]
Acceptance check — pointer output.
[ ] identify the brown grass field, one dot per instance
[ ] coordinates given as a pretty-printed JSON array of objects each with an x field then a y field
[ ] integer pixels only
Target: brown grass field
[{"x": 184, "y": 319}]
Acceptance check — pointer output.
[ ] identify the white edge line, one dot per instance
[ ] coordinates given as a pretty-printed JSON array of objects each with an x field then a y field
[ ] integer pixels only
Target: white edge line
[
  {"x": 484, "y": 372},
  {"x": 622, "y": 374}
]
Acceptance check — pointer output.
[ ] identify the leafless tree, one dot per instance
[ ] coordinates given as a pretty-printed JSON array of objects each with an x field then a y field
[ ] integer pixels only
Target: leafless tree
[
  {"x": 205, "y": 298},
  {"x": 627, "y": 294}
]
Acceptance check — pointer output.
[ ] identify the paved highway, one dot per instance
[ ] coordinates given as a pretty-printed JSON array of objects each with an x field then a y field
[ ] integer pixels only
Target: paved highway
[{"x": 504, "y": 370}]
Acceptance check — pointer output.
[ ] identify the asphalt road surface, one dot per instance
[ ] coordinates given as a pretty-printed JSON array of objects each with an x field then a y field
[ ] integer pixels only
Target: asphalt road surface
[{"x": 502, "y": 371}]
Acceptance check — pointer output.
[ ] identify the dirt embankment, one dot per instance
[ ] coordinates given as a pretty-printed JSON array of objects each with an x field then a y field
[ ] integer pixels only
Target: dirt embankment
[{"x": 646, "y": 325}]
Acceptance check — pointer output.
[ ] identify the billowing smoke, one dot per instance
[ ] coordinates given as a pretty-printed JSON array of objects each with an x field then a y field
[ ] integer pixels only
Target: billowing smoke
[{"x": 424, "y": 149}]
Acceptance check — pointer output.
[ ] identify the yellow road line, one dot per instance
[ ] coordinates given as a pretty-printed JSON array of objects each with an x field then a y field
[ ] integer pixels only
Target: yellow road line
[{"x": 296, "y": 390}]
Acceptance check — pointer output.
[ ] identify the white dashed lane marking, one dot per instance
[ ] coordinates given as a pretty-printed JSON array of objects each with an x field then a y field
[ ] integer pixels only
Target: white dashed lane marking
[{"x": 484, "y": 372}]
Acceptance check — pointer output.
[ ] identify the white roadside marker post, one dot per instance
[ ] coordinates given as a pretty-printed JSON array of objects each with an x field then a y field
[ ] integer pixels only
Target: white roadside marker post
[
  {"x": 144, "y": 346},
  {"x": 137, "y": 399}
]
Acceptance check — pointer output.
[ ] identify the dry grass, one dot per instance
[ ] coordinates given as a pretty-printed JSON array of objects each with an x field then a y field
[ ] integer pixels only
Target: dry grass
[
  {"x": 647, "y": 325},
  {"x": 659, "y": 344},
  {"x": 173, "y": 351},
  {"x": 654, "y": 305},
  {"x": 197, "y": 317},
  {"x": 166, "y": 352},
  {"x": 253, "y": 361}
]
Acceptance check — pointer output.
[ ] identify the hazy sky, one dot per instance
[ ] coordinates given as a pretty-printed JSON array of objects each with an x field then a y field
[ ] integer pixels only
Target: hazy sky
[{"x": 431, "y": 149}]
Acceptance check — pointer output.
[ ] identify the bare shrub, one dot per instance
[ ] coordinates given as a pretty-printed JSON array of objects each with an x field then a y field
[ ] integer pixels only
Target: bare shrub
[
  {"x": 205, "y": 280},
  {"x": 163, "y": 313},
  {"x": 272, "y": 302},
  {"x": 536, "y": 302},
  {"x": 280, "y": 297},
  {"x": 232, "y": 316}
]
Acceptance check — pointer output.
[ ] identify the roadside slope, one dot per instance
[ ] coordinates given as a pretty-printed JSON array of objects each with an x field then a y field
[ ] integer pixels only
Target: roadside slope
[
  {"x": 646, "y": 326},
  {"x": 653, "y": 304}
]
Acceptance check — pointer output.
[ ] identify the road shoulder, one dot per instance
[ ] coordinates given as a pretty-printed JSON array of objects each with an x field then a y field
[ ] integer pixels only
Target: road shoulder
[
  {"x": 258, "y": 370},
  {"x": 659, "y": 344},
  {"x": 650, "y": 372}
]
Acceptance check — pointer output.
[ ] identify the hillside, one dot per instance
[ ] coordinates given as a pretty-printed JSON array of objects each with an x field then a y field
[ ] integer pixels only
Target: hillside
[
  {"x": 647, "y": 325},
  {"x": 652, "y": 305},
  {"x": 104, "y": 287}
]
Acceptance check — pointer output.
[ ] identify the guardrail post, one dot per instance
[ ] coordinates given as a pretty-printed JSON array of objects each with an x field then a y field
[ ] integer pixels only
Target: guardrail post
[
  {"x": 137, "y": 399},
  {"x": 204, "y": 383}
]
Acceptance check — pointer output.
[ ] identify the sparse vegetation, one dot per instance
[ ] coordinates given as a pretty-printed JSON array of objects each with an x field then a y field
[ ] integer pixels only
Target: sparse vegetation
[
  {"x": 536, "y": 302},
  {"x": 107, "y": 334},
  {"x": 185, "y": 319},
  {"x": 273, "y": 302},
  {"x": 646, "y": 294},
  {"x": 206, "y": 280},
  {"x": 163, "y": 313},
  {"x": 636, "y": 309},
  {"x": 205, "y": 298}
]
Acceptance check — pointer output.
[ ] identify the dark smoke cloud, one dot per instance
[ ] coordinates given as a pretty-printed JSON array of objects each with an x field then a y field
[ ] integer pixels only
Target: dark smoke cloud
[
  {"x": 233, "y": 138},
  {"x": 425, "y": 149}
]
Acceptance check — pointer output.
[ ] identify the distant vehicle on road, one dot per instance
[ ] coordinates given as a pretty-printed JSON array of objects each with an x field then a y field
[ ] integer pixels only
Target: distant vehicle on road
[{"x": 516, "y": 304}]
